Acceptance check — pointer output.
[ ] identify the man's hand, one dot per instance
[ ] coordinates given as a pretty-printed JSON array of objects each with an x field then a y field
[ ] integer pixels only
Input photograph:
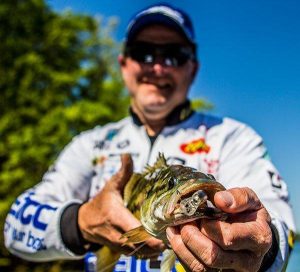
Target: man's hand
[
  {"x": 239, "y": 243},
  {"x": 104, "y": 218}
]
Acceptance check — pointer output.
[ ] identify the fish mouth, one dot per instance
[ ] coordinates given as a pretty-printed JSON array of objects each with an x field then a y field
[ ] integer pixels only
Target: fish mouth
[{"x": 193, "y": 200}]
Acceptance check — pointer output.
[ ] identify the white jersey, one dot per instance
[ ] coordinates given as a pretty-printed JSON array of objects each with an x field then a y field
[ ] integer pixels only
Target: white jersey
[{"x": 225, "y": 148}]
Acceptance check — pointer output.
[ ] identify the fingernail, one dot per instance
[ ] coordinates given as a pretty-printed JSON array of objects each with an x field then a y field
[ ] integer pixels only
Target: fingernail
[{"x": 227, "y": 198}]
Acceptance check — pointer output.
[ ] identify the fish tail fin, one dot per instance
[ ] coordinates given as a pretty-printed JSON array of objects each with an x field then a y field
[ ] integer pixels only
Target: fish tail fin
[
  {"x": 136, "y": 235},
  {"x": 106, "y": 259}
]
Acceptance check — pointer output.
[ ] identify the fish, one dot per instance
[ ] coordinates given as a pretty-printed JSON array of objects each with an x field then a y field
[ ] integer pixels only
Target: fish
[{"x": 166, "y": 195}]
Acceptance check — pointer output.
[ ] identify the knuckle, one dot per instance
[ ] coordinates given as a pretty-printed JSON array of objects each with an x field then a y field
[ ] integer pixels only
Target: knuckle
[
  {"x": 106, "y": 215},
  {"x": 265, "y": 239},
  {"x": 227, "y": 243},
  {"x": 241, "y": 196},
  {"x": 247, "y": 194},
  {"x": 210, "y": 256},
  {"x": 228, "y": 238},
  {"x": 248, "y": 198},
  {"x": 268, "y": 216},
  {"x": 187, "y": 236},
  {"x": 196, "y": 266}
]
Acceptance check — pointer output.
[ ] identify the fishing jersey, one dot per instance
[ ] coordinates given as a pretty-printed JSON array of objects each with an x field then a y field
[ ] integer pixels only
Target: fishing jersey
[{"x": 223, "y": 147}]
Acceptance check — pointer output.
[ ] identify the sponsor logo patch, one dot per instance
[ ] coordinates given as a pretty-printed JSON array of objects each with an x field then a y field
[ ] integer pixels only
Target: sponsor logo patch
[
  {"x": 29, "y": 211},
  {"x": 104, "y": 144},
  {"x": 196, "y": 146},
  {"x": 276, "y": 180},
  {"x": 212, "y": 166},
  {"x": 291, "y": 239},
  {"x": 127, "y": 263},
  {"x": 123, "y": 144}
]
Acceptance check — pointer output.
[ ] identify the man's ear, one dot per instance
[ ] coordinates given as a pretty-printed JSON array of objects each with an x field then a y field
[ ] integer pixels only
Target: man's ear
[{"x": 121, "y": 60}]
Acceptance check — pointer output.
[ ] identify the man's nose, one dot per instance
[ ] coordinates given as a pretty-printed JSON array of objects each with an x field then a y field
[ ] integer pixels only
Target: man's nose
[{"x": 159, "y": 66}]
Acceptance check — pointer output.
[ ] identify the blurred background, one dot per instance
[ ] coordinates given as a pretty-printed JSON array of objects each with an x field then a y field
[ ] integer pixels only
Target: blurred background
[{"x": 59, "y": 76}]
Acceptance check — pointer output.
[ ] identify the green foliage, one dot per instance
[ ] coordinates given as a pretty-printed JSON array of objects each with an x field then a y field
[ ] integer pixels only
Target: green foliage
[
  {"x": 200, "y": 104},
  {"x": 58, "y": 76}
]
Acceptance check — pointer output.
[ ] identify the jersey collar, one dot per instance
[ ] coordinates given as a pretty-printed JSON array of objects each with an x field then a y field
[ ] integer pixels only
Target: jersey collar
[{"x": 179, "y": 114}]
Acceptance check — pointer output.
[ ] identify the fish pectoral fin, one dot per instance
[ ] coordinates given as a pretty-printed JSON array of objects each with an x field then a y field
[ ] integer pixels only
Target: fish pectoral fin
[
  {"x": 136, "y": 235},
  {"x": 107, "y": 259},
  {"x": 168, "y": 261}
]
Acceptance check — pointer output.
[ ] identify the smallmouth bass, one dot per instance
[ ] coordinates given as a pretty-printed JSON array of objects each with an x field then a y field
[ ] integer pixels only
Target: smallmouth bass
[{"x": 166, "y": 195}]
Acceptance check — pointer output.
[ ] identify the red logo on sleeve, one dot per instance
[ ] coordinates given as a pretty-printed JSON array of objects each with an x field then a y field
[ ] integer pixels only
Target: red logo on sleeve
[{"x": 196, "y": 146}]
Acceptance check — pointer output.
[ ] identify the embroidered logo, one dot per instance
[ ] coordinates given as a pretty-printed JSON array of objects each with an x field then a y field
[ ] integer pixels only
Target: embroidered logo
[
  {"x": 196, "y": 146},
  {"x": 212, "y": 166}
]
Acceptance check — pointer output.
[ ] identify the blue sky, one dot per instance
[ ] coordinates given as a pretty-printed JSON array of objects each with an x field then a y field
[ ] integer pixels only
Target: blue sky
[{"x": 250, "y": 66}]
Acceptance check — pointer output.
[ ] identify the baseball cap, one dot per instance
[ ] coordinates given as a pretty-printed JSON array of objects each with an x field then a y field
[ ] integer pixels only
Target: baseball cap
[{"x": 163, "y": 14}]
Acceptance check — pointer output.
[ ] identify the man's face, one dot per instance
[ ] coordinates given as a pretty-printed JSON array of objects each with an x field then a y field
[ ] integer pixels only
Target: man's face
[{"x": 155, "y": 87}]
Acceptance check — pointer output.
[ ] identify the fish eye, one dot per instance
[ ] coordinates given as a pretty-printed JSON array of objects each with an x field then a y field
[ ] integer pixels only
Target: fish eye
[{"x": 172, "y": 183}]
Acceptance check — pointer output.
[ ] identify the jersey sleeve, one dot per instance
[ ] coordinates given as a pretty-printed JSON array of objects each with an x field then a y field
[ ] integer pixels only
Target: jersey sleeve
[
  {"x": 32, "y": 227},
  {"x": 245, "y": 162}
]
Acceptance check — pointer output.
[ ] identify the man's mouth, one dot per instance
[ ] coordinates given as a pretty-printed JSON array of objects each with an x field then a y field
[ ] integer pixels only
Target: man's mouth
[{"x": 161, "y": 86}]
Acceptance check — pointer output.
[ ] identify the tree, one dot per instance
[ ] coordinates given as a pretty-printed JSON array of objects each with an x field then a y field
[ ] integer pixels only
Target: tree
[{"x": 58, "y": 77}]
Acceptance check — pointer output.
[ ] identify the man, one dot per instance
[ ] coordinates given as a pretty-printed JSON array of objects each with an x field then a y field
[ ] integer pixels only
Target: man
[{"x": 78, "y": 206}]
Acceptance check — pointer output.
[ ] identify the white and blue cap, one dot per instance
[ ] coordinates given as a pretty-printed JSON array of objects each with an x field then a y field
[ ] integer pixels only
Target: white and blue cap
[{"x": 161, "y": 14}]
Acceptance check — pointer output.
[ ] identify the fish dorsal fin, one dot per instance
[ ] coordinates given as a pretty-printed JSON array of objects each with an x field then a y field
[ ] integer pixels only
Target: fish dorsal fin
[
  {"x": 168, "y": 261},
  {"x": 161, "y": 162},
  {"x": 136, "y": 235}
]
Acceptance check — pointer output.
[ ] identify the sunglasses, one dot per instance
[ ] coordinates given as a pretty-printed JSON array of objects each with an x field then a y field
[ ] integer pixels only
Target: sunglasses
[{"x": 169, "y": 54}]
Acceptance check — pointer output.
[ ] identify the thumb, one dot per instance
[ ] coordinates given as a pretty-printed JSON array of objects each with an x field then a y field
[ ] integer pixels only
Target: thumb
[
  {"x": 237, "y": 200},
  {"x": 120, "y": 179}
]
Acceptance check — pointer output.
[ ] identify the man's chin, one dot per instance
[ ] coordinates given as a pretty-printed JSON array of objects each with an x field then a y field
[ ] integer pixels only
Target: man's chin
[
  {"x": 157, "y": 111},
  {"x": 156, "y": 107}
]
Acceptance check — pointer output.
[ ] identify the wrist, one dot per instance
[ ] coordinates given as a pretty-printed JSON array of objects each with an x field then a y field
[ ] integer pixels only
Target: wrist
[{"x": 71, "y": 234}]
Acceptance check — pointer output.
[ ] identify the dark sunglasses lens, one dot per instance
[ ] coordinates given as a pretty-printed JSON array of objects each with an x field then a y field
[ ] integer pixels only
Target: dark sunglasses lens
[
  {"x": 141, "y": 53},
  {"x": 176, "y": 56},
  {"x": 173, "y": 55}
]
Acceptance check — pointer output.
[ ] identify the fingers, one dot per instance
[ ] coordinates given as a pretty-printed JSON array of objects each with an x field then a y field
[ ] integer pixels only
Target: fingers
[
  {"x": 199, "y": 253},
  {"x": 124, "y": 221},
  {"x": 239, "y": 243},
  {"x": 120, "y": 179},
  {"x": 105, "y": 211},
  {"x": 185, "y": 256},
  {"x": 149, "y": 249},
  {"x": 237, "y": 200},
  {"x": 252, "y": 236},
  {"x": 156, "y": 244},
  {"x": 248, "y": 226},
  {"x": 111, "y": 237},
  {"x": 123, "y": 218}
]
